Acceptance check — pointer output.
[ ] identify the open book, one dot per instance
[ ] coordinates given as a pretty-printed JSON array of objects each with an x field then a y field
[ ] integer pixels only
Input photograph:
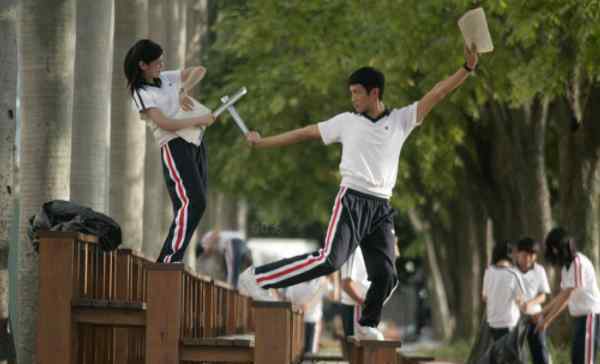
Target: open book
[{"x": 474, "y": 28}]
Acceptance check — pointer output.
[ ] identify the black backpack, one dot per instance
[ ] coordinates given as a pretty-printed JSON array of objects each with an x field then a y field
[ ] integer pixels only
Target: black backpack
[{"x": 58, "y": 215}]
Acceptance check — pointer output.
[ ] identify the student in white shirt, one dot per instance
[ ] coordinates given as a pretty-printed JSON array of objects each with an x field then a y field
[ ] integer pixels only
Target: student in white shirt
[
  {"x": 502, "y": 291},
  {"x": 535, "y": 282},
  {"x": 158, "y": 95},
  {"x": 579, "y": 291},
  {"x": 230, "y": 247},
  {"x": 371, "y": 138}
]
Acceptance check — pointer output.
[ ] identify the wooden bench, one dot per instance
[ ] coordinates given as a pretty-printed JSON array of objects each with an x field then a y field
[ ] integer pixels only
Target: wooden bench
[
  {"x": 373, "y": 351},
  {"x": 91, "y": 302},
  {"x": 118, "y": 307}
]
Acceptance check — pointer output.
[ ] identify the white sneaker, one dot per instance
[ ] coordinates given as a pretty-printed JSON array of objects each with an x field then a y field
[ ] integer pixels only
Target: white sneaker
[
  {"x": 368, "y": 333},
  {"x": 247, "y": 286}
]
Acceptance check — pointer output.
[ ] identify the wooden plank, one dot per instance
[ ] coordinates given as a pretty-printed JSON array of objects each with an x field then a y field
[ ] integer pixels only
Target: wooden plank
[
  {"x": 164, "y": 312},
  {"x": 217, "y": 355},
  {"x": 55, "y": 332},
  {"x": 115, "y": 304},
  {"x": 120, "y": 345},
  {"x": 233, "y": 341},
  {"x": 109, "y": 316},
  {"x": 273, "y": 327},
  {"x": 49, "y": 234}
]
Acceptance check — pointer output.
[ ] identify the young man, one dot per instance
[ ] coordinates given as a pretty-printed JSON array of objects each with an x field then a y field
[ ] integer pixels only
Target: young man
[
  {"x": 579, "y": 291},
  {"x": 371, "y": 139},
  {"x": 502, "y": 292},
  {"x": 535, "y": 282}
]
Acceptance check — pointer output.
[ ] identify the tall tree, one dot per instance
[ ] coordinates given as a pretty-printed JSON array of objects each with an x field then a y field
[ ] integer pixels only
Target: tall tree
[
  {"x": 127, "y": 132},
  {"x": 156, "y": 199},
  {"x": 175, "y": 48},
  {"x": 8, "y": 111},
  {"x": 91, "y": 103},
  {"x": 46, "y": 53}
]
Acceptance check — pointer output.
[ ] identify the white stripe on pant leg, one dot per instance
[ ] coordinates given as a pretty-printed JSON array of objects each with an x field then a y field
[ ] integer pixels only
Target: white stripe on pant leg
[
  {"x": 326, "y": 249},
  {"x": 310, "y": 261},
  {"x": 181, "y": 213},
  {"x": 390, "y": 294}
]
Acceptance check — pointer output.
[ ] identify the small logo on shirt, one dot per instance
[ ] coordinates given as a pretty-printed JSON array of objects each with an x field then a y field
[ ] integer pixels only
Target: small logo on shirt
[{"x": 387, "y": 127}]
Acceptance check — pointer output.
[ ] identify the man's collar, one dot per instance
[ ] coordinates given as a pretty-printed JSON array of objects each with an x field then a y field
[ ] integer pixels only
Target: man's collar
[{"x": 385, "y": 113}]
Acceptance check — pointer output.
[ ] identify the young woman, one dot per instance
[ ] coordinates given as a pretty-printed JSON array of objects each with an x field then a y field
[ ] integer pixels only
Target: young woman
[
  {"x": 579, "y": 291},
  {"x": 158, "y": 95}
]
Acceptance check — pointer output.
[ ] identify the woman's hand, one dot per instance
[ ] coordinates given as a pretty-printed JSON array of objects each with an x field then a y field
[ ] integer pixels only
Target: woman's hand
[{"x": 185, "y": 102}]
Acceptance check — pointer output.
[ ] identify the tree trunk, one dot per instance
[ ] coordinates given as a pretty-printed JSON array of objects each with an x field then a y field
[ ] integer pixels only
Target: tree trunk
[
  {"x": 8, "y": 110},
  {"x": 197, "y": 28},
  {"x": 175, "y": 48},
  {"x": 46, "y": 53},
  {"x": 470, "y": 222},
  {"x": 580, "y": 176},
  {"x": 128, "y": 132},
  {"x": 91, "y": 103},
  {"x": 442, "y": 320},
  {"x": 508, "y": 168},
  {"x": 155, "y": 193}
]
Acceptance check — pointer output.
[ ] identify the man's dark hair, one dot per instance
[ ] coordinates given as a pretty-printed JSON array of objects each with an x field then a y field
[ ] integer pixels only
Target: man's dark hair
[
  {"x": 528, "y": 245},
  {"x": 560, "y": 247},
  {"x": 369, "y": 78},
  {"x": 500, "y": 252}
]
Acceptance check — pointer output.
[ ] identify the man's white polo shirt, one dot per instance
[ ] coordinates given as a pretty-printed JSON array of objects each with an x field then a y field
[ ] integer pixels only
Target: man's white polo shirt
[{"x": 370, "y": 149}]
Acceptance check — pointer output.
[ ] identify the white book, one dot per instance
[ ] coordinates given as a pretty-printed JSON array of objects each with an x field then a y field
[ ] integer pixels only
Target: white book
[
  {"x": 192, "y": 134},
  {"x": 474, "y": 28}
]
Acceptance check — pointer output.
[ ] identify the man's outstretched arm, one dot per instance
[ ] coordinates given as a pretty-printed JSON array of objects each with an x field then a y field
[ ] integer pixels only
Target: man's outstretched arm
[
  {"x": 443, "y": 88},
  {"x": 310, "y": 132}
]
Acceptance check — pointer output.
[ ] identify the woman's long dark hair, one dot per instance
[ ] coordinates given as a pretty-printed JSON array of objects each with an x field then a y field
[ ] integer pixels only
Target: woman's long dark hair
[
  {"x": 143, "y": 50},
  {"x": 560, "y": 248}
]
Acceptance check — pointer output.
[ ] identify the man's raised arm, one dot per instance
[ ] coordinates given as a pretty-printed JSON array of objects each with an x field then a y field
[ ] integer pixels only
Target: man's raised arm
[{"x": 443, "y": 88}]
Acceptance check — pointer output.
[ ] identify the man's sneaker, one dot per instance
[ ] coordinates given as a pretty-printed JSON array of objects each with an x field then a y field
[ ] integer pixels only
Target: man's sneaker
[
  {"x": 368, "y": 333},
  {"x": 247, "y": 286}
]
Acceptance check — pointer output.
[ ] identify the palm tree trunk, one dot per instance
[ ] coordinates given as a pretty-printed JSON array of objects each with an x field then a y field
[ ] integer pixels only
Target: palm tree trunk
[
  {"x": 175, "y": 47},
  {"x": 128, "y": 133},
  {"x": 46, "y": 53},
  {"x": 8, "y": 108},
  {"x": 155, "y": 194},
  {"x": 91, "y": 103}
]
